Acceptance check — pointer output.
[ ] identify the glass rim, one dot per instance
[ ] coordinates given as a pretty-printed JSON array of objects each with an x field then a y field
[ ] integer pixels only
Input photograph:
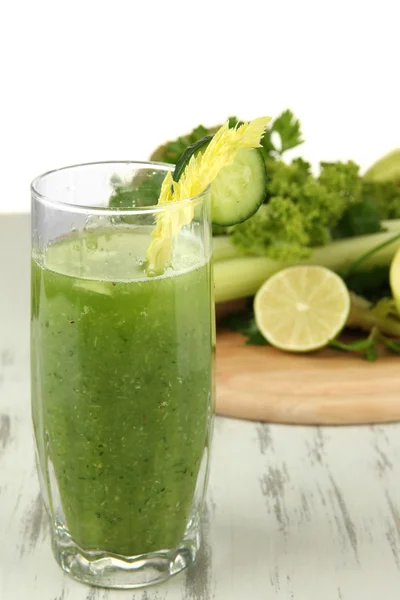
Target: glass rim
[{"x": 104, "y": 210}]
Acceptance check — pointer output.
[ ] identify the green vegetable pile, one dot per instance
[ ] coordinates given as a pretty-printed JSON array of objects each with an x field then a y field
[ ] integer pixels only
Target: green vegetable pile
[{"x": 338, "y": 218}]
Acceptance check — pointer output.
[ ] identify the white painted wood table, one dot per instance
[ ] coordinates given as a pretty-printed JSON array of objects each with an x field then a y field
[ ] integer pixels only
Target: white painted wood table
[{"x": 297, "y": 513}]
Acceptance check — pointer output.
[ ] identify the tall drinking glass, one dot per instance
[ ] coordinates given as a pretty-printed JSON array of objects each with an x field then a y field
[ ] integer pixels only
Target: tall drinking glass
[{"x": 122, "y": 372}]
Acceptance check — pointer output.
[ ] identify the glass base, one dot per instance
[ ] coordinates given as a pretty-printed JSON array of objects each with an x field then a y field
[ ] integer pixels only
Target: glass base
[{"x": 107, "y": 570}]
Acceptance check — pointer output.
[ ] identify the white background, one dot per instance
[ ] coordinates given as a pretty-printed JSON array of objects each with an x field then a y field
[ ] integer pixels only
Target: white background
[{"x": 84, "y": 81}]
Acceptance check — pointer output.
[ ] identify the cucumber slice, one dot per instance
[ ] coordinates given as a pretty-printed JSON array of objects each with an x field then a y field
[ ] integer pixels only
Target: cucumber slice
[{"x": 238, "y": 190}]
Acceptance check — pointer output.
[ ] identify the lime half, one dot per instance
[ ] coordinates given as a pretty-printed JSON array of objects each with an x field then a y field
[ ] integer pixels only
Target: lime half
[
  {"x": 302, "y": 308},
  {"x": 395, "y": 279}
]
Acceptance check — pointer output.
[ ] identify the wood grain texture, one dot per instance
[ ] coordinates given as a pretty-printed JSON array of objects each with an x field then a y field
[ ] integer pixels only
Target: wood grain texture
[
  {"x": 293, "y": 512},
  {"x": 328, "y": 387}
]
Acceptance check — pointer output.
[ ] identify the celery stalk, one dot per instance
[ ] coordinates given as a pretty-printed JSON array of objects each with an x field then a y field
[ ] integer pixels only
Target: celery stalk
[
  {"x": 364, "y": 316},
  {"x": 237, "y": 276}
]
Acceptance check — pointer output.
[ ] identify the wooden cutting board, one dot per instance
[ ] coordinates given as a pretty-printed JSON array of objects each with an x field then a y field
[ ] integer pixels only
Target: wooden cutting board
[{"x": 328, "y": 387}]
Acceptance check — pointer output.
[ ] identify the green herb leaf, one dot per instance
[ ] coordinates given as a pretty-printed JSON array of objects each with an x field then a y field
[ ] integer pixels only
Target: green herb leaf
[
  {"x": 368, "y": 347},
  {"x": 356, "y": 346},
  {"x": 245, "y": 324},
  {"x": 233, "y": 121},
  {"x": 361, "y": 218},
  {"x": 140, "y": 191},
  {"x": 372, "y": 283},
  {"x": 386, "y": 197},
  {"x": 257, "y": 339},
  {"x": 302, "y": 211},
  {"x": 392, "y": 345},
  {"x": 371, "y": 353},
  {"x": 288, "y": 128}
]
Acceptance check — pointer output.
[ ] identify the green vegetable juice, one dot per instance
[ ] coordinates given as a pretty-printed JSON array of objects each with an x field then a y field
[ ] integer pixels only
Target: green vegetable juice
[{"x": 122, "y": 388}]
